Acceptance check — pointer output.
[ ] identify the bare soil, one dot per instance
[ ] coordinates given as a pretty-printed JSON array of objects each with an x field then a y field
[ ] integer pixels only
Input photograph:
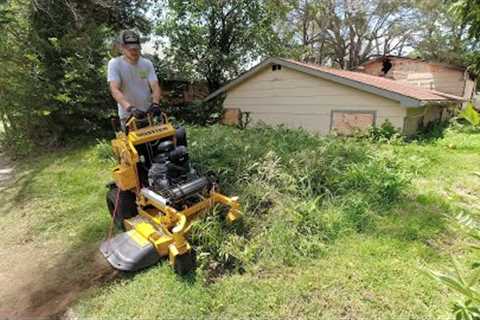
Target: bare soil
[{"x": 41, "y": 280}]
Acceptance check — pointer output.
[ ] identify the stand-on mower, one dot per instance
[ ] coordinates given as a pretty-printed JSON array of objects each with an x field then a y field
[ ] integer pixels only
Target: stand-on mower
[{"x": 155, "y": 196}]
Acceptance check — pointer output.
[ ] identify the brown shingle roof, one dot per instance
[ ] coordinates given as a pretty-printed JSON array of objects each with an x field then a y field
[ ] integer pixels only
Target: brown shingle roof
[
  {"x": 384, "y": 83},
  {"x": 419, "y": 60}
]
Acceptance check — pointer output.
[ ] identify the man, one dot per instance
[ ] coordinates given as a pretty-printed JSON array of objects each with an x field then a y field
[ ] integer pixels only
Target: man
[{"x": 132, "y": 78}]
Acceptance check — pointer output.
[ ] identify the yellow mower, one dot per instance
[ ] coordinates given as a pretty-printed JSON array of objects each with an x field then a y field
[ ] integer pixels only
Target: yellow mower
[{"x": 155, "y": 196}]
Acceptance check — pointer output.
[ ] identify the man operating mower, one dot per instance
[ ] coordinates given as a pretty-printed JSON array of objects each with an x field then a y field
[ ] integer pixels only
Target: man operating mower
[
  {"x": 156, "y": 193},
  {"x": 133, "y": 82}
]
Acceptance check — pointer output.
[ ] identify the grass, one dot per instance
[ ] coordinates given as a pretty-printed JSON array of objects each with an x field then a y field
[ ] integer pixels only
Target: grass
[{"x": 331, "y": 229}]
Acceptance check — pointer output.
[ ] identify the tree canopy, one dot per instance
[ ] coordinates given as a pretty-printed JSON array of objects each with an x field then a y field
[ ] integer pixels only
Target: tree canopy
[{"x": 213, "y": 39}]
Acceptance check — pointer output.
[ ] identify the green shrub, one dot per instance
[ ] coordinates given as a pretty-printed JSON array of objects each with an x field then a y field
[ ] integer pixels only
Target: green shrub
[
  {"x": 197, "y": 113},
  {"x": 465, "y": 283},
  {"x": 385, "y": 132},
  {"x": 103, "y": 151},
  {"x": 471, "y": 115}
]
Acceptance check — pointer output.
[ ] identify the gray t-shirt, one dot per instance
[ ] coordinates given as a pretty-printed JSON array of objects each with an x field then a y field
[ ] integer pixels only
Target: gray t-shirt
[{"x": 133, "y": 82}]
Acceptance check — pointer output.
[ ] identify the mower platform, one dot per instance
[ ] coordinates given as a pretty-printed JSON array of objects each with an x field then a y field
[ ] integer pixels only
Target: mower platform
[{"x": 128, "y": 251}]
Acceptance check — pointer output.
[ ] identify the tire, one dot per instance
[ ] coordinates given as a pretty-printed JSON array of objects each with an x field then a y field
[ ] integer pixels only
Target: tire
[
  {"x": 185, "y": 263},
  {"x": 127, "y": 208},
  {"x": 181, "y": 136}
]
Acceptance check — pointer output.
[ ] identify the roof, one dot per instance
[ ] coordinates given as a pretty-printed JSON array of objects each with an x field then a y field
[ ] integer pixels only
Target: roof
[
  {"x": 407, "y": 95},
  {"x": 381, "y": 57}
]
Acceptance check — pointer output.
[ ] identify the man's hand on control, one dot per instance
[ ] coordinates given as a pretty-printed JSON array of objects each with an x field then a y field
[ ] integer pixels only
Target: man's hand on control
[
  {"x": 155, "y": 109},
  {"x": 137, "y": 113}
]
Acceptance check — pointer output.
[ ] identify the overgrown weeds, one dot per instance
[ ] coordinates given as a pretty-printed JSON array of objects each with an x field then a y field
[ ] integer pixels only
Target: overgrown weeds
[{"x": 298, "y": 191}]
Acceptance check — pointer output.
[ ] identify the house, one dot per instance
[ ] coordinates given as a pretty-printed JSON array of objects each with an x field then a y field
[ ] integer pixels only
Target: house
[
  {"x": 442, "y": 77},
  {"x": 322, "y": 99}
]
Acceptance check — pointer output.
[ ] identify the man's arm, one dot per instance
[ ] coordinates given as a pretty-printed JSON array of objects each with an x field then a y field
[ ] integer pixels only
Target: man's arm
[
  {"x": 156, "y": 91},
  {"x": 114, "y": 80},
  {"x": 118, "y": 95},
  {"x": 153, "y": 82}
]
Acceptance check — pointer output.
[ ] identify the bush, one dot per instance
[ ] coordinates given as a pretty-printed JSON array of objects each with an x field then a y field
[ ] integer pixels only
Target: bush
[
  {"x": 54, "y": 80},
  {"x": 385, "y": 132},
  {"x": 197, "y": 113}
]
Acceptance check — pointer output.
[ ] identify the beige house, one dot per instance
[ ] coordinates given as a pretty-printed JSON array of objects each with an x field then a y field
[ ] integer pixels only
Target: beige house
[
  {"x": 442, "y": 77},
  {"x": 321, "y": 99}
]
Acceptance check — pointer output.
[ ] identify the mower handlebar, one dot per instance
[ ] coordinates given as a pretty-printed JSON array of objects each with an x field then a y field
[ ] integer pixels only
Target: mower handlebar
[{"x": 136, "y": 123}]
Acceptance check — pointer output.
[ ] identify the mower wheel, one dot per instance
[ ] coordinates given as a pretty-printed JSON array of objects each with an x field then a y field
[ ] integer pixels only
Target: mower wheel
[
  {"x": 181, "y": 136},
  {"x": 127, "y": 208},
  {"x": 185, "y": 263}
]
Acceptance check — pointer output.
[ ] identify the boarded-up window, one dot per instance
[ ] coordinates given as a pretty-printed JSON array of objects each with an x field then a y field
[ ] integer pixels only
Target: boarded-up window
[
  {"x": 231, "y": 116},
  {"x": 350, "y": 122}
]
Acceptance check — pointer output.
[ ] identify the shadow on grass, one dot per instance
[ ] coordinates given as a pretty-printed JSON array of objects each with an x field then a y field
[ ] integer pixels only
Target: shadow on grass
[{"x": 18, "y": 192}]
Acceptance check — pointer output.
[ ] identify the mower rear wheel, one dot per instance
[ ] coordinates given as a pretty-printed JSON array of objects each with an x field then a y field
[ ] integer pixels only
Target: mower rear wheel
[
  {"x": 185, "y": 263},
  {"x": 126, "y": 206}
]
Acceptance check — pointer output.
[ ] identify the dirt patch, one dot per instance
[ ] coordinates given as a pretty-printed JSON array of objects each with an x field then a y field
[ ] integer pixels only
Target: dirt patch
[
  {"x": 44, "y": 282},
  {"x": 40, "y": 280}
]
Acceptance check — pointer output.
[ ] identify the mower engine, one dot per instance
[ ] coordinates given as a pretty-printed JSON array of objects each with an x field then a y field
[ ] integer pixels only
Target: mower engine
[{"x": 171, "y": 176}]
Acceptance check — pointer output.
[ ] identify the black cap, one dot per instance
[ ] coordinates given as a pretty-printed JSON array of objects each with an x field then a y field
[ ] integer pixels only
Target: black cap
[{"x": 130, "y": 39}]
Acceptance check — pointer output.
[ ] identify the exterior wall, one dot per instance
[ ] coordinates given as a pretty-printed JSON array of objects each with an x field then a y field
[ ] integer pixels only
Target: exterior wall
[
  {"x": 296, "y": 99},
  {"x": 420, "y": 117},
  {"x": 469, "y": 91},
  {"x": 422, "y": 74}
]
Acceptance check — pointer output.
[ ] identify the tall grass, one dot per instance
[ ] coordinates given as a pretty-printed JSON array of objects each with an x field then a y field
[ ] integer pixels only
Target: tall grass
[{"x": 298, "y": 191}]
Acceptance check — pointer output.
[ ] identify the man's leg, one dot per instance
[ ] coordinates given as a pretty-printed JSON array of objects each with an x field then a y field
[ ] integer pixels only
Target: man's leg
[{"x": 123, "y": 124}]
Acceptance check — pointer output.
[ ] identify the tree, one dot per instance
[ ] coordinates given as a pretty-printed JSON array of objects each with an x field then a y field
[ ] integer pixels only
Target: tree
[
  {"x": 441, "y": 37},
  {"x": 55, "y": 54},
  {"x": 468, "y": 13},
  {"x": 72, "y": 41},
  {"x": 346, "y": 33},
  {"x": 217, "y": 39}
]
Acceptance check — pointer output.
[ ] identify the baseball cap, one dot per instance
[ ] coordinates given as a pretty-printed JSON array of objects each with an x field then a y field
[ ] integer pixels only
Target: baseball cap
[{"x": 130, "y": 39}]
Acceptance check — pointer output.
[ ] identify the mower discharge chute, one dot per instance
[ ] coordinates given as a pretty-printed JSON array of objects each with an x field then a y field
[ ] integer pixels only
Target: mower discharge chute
[{"x": 155, "y": 196}]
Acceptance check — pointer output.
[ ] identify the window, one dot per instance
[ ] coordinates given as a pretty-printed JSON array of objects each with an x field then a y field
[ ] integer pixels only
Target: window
[
  {"x": 276, "y": 67},
  {"x": 351, "y": 122}
]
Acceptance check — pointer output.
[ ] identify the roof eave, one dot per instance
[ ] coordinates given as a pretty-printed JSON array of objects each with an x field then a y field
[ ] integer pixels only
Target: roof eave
[
  {"x": 244, "y": 76},
  {"x": 427, "y": 102}
]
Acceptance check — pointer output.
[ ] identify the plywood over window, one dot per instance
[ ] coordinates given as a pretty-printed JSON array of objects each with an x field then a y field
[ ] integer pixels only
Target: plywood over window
[
  {"x": 350, "y": 122},
  {"x": 231, "y": 116}
]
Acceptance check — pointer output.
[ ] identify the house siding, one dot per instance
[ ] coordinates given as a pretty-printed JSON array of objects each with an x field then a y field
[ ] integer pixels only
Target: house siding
[{"x": 296, "y": 99}]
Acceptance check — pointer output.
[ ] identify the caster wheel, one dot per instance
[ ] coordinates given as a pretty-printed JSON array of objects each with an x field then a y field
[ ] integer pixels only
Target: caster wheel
[{"x": 185, "y": 263}]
